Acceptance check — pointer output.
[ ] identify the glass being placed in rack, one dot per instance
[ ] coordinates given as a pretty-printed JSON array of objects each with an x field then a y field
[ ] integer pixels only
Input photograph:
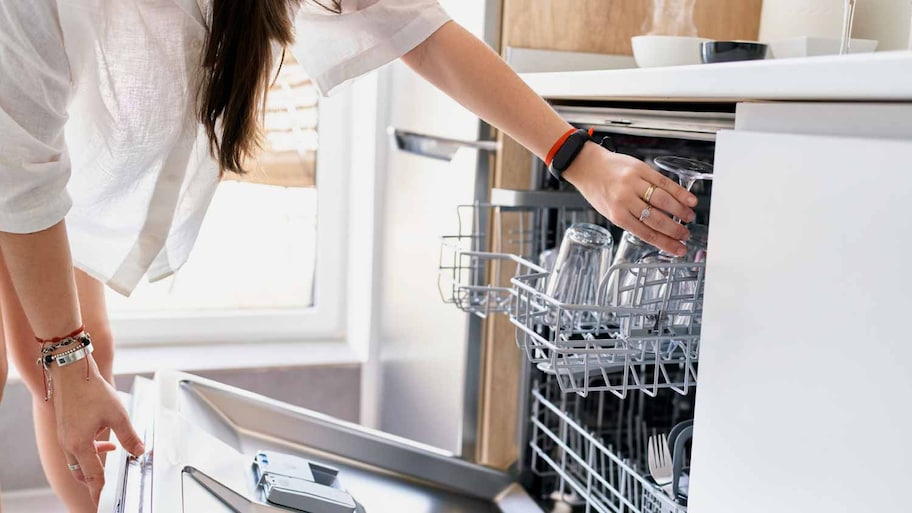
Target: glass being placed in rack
[
  {"x": 679, "y": 292},
  {"x": 583, "y": 257},
  {"x": 671, "y": 291},
  {"x": 688, "y": 171}
]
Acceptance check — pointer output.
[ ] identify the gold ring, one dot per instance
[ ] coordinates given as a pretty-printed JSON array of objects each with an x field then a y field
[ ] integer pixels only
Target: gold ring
[{"x": 648, "y": 195}]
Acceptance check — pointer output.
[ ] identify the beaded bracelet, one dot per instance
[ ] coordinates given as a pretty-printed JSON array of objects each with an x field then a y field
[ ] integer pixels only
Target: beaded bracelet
[
  {"x": 65, "y": 358},
  {"x": 64, "y": 342}
]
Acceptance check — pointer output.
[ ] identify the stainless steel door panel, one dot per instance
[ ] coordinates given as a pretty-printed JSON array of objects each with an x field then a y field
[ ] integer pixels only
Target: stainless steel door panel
[{"x": 218, "y": 429}]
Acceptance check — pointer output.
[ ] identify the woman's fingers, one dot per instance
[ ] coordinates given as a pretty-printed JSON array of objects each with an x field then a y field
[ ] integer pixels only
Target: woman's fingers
[
  {"x": 92, "y": 469},
  {"x": 663, "y": 200},
  {"x": 661, "y": 223},
  {"x": 644, "y": 231},
  {"x": 77, "y": 474},
  {"x": 104, "y": 446},
  {"x": 681, "y": 196},
  {"x": 125, "y": 433}
]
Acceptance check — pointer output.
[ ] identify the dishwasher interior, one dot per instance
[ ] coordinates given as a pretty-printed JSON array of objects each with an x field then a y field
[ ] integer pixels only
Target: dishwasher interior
[{"x": 600, "y": 377}]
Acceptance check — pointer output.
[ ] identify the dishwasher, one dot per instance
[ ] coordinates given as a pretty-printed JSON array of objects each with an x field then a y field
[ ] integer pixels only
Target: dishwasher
[
  {"x": 591, "y": 393},
  {"x": 589, "y": 397}
]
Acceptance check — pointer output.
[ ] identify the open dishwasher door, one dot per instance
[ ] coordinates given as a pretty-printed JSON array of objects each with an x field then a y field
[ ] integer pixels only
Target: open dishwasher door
[{"x": 203, "y": 438}]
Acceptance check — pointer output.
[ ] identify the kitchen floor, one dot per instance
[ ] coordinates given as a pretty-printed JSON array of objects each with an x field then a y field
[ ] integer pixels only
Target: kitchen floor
[{"x": 30, "y": 501}]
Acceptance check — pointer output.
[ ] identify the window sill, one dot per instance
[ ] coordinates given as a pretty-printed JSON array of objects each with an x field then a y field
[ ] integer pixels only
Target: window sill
[{"x": 204, "y": 357}]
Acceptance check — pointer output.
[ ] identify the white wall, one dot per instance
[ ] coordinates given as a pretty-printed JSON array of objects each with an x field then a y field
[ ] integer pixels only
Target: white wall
[{"x": 888, "y": 21}]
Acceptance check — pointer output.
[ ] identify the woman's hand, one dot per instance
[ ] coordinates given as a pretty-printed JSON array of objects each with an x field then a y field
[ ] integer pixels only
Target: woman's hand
[
  {"x": 84, "y": 410},
  {"x": 615, "y": 184}
]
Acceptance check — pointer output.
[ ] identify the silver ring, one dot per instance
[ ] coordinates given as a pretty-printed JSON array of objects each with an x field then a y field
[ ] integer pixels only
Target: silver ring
[
  {"x": 73, "y": 467},
  {"x": 645, "y": 214}
]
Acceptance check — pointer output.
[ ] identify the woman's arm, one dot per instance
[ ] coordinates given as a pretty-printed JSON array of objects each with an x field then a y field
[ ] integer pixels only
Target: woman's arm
[
  {"x": 42, "y": 274},
  {"x": 471, "y": 73},
  {"x": 41, "y": 271}
]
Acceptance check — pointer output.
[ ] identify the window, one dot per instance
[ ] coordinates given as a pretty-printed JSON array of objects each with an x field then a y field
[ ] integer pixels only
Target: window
[{"x": 253, "y": 271}]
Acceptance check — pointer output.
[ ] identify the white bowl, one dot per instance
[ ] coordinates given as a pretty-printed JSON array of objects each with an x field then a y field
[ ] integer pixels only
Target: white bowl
[
  {"x": 654, "y": 51},
  {"x": 810, "y": 46}
]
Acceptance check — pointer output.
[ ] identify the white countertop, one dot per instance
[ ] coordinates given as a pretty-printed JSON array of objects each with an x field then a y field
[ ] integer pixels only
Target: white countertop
[{"x": 874, "y": 76}]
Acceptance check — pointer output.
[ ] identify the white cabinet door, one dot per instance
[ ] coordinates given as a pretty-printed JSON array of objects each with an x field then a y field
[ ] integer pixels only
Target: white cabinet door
[{"x": 805, "y": 396}]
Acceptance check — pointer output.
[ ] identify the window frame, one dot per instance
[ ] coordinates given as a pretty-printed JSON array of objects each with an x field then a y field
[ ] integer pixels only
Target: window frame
[{"x": 325, "y": 320}]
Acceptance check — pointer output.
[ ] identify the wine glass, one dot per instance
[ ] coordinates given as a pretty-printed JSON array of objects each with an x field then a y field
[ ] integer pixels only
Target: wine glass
[
  {"x": 632, "y": 249},
  {"x": 688, "y": 171},
  {"x": 679, "y": 282},
  {"x": 847, "y": 21}
]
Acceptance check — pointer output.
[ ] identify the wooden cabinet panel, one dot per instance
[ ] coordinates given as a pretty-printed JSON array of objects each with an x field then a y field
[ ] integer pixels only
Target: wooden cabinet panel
[
  {"x": 501, "y": 359},
  {"x": 606, "y": 26}
]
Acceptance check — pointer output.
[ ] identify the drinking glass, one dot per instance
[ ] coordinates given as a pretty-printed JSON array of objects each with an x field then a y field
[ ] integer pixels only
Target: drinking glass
[
  {"x": 848, "y": 19},
  {"x": 631, "y": 249},
  {"x": 546, "y": 259},
  {"x": 687, "y": 170},
  {"x": 674, "y": 288},
  {"x": 583, "y": 257},
  {"x": 682, "y": 299},
  {"x": 634, "y": 249},
  {"x": 669, "y": 293}
]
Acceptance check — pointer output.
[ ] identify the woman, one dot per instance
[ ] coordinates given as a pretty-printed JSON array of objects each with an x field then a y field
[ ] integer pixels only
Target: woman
[{"x": 146, "y": 93}]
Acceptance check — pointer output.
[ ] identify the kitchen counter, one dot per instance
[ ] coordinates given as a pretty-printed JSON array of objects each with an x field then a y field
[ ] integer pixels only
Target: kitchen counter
[{"x": 873, "y": 76}]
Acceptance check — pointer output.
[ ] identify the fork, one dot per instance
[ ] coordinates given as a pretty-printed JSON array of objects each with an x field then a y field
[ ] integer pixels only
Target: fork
[{"x": 660, "y": 463}]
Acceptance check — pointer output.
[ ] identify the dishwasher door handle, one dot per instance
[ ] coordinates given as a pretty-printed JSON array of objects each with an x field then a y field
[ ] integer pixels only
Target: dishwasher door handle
[
  {"x": 435, "y": 147},
  {"x": 233, "y": 499}
]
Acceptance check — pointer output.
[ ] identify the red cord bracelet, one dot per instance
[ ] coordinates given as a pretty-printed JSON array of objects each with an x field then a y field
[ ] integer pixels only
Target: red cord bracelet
[{"x": 60, "y": 339}]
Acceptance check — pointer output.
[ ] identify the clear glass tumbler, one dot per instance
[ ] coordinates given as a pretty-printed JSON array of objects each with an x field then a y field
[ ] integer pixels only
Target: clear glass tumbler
[{"x": 584, "y": 256}]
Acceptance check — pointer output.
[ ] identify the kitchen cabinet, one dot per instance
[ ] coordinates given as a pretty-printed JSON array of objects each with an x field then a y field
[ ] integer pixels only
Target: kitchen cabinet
[
  {"x": 803, "y": 385},
  {"x": 606, "y": 26}
]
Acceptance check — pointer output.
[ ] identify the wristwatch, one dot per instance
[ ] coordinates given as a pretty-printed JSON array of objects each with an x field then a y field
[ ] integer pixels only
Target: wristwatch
[{"x": 567, "y": 148}]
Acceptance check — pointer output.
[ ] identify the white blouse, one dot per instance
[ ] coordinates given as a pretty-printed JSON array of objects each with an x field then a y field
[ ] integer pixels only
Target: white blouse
[{"x": 97, "y": 116}]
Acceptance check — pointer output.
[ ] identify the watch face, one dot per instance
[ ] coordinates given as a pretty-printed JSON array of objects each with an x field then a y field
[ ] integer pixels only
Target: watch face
[{"x": 569, "y": 150}]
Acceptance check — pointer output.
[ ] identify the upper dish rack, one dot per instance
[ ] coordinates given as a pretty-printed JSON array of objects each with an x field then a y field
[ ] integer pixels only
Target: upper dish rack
[
  {"x": 499, "y": 240},
  {"x": 651, "y": 343}
]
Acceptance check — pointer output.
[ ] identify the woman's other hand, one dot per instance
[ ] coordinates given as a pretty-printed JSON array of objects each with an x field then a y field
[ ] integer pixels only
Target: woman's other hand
[
  {"x": 84, "y": 410},
  {"x": 615, "y": 185}
]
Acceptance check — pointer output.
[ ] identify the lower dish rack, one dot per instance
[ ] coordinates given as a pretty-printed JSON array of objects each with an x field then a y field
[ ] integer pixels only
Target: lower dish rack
[{"x": 580, "y": 466}]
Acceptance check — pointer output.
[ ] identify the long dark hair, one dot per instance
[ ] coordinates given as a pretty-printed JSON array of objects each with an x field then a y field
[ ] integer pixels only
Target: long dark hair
[{"x": 237, "y": 67}]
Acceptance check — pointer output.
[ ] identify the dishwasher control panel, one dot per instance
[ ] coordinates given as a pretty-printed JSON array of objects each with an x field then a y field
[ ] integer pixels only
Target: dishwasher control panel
[{"x": 300, "y": 484}]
